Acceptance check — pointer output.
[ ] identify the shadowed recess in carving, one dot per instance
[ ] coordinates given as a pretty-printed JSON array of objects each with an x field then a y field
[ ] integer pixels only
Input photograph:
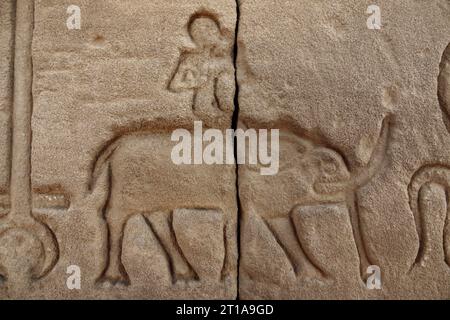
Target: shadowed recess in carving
[
  {"x": 50, "y": 197},
  {"x": 444, "y": 86}
]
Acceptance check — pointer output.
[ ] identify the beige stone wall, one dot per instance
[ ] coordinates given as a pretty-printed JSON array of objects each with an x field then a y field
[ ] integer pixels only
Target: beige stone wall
[{"x": 89, "y": 185}]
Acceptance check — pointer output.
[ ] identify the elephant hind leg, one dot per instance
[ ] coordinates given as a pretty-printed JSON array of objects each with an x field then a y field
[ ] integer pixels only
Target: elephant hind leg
[
  {"x": 160, "y": 224},
  {"x": 115, "y": 272}
]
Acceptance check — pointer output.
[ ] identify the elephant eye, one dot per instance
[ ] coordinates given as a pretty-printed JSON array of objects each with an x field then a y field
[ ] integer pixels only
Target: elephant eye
[{"x": 329, "y": 166}]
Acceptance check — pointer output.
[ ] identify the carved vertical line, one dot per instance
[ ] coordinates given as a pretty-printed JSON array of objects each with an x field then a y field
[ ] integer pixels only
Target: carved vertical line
[
  {"x": 22, "y": 110},
  {"x": 358, "y": 236},
  {"x": 11, "y": 87}
]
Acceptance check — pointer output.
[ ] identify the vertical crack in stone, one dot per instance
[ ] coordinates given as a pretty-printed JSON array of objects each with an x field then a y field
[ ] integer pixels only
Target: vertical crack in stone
[{"x": 234, "y": 126}]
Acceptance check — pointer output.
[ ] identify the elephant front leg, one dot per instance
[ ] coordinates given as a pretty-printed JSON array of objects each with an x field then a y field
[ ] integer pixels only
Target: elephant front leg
[{"x": 115, "y": 272}]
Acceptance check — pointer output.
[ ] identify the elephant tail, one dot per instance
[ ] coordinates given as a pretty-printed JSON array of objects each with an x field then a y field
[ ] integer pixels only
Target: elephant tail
[
  {"x": 102, "y": 163},
  {"x": 429, "y": 174}
]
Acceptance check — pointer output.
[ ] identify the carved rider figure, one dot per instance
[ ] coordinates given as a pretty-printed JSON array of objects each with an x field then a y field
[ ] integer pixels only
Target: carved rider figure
[{"x": 207, "y": 69}]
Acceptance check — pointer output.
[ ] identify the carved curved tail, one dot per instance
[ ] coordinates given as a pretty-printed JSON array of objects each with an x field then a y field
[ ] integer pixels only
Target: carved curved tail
[
  {"x": 101, "y": 162},
  {"x": 439, "y": 175}
]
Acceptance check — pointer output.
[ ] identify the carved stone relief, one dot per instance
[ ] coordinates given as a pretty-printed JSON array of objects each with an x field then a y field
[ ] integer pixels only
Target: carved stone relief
[{"x": 87, "y": 183}]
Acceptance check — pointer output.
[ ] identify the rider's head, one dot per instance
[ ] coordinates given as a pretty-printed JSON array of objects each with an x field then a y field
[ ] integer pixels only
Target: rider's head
[{"x": 205, "y": 31}]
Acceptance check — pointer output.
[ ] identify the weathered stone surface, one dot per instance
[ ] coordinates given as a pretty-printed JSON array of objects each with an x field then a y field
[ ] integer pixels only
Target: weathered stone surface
[{"x": 365, "y": 156}]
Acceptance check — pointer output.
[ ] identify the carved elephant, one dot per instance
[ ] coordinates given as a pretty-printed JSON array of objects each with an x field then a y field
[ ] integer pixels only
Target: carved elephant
[
  {"x": 141, "y": 179},
  {"x": 315, "y": 191}
]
